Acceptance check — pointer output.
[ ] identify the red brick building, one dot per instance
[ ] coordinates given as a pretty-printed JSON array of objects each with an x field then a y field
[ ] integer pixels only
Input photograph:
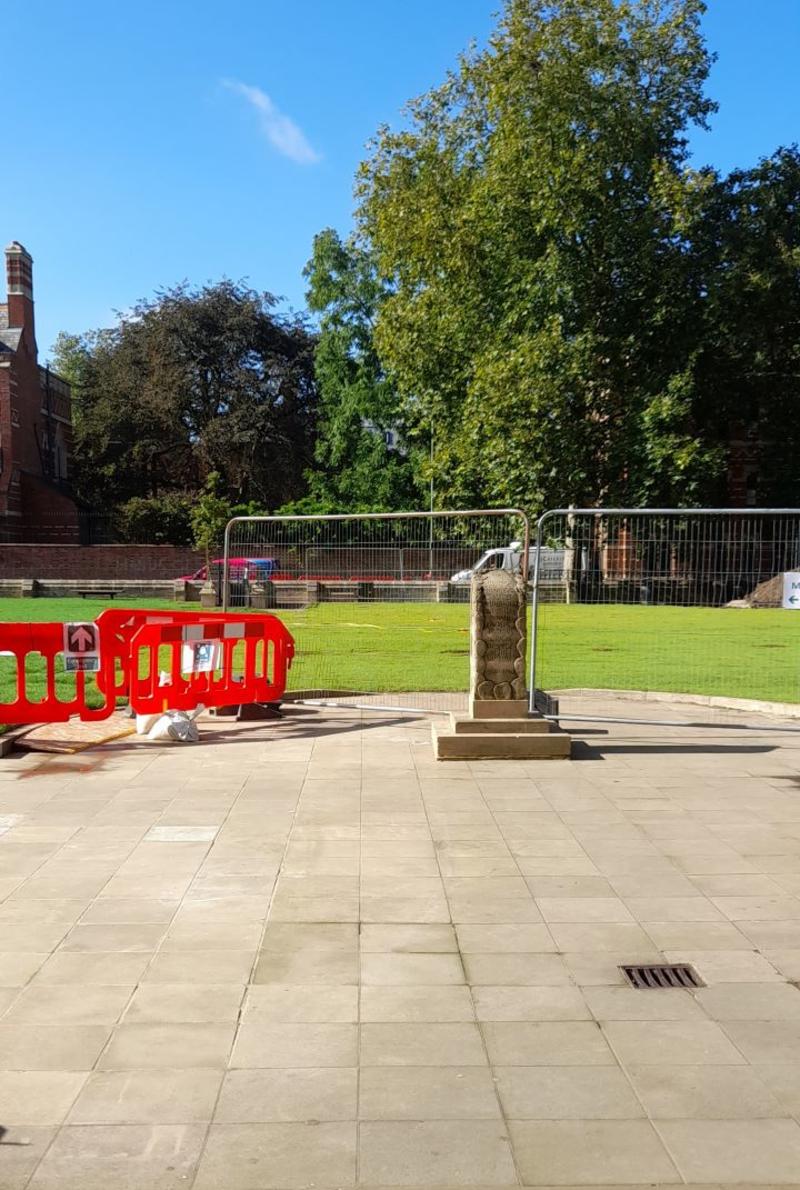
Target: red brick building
[{"x": 35, "y": 423}]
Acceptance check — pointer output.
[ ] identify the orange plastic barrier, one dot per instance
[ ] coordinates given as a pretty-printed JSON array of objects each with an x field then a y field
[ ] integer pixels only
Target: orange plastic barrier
[
  {"x": 268, "y": 649},
  {"x": 26, "y": 640},
  {"x": 119, "y": 625},
  {"x": 130, "y": 666}
]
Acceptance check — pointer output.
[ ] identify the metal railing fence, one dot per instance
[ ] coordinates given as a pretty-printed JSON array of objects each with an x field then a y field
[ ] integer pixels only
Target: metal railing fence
[
  {"x": 683, "y": 601},
  {"x": 378, "y": 603}
]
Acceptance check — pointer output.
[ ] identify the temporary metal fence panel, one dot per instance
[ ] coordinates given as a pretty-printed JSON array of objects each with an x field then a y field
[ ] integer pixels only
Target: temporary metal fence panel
[
  {"x": 378, "y": 603},
  {"x": 676, "y": 601}
]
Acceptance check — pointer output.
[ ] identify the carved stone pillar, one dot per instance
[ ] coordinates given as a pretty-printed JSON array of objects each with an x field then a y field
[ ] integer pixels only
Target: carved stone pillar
[
  {"x": 499, "y": 726},
  {"x": 498, "y": 616}
]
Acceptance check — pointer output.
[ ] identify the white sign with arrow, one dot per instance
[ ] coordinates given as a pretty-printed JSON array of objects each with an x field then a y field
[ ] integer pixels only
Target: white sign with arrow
[
  {"x": 791, "y": 590},
  {"x": 81, "y": 647}
]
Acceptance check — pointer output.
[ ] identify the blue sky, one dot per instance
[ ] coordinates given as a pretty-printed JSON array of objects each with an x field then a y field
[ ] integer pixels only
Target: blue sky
[{"x": 185, "y": 139}]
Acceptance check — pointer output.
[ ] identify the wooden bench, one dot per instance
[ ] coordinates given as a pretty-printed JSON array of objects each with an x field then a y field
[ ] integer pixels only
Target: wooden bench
[{"x": 94, "y": 593}]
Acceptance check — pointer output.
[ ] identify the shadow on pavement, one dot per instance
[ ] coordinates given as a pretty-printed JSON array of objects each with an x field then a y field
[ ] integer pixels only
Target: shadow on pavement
[{"x": 584, "y": 751}]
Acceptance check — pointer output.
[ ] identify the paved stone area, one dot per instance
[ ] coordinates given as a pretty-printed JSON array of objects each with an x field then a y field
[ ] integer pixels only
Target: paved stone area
[{"x": 304, "y": 954}]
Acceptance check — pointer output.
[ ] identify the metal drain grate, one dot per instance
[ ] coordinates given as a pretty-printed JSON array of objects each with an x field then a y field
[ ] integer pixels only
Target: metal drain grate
[{"x": 666, "y": 975}]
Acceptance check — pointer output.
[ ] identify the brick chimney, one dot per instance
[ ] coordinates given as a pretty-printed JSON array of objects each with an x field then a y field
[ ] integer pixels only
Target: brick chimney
[{"x": 19, "y": 278}]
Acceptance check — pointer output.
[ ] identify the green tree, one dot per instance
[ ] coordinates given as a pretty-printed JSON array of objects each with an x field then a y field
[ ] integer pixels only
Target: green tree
[
  {"x": 157, "y": 520},
  {"x": 196, "y": 380},
  {"x": 210, "y": 515},
  {"x": 541, "y": 318},
  {"x": 70, "y": 360},
  {"x": 355, "y": 468},
  {"x": 746, "y": 238}
]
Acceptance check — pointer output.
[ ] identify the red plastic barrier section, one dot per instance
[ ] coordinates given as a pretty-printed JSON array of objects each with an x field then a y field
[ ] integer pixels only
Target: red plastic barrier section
[
  {"x": 259, "y": 674},
  {"x": 27, "y": 640},
  {"x": 119, "y": 625},
  {"x": 251, "y": 664}
]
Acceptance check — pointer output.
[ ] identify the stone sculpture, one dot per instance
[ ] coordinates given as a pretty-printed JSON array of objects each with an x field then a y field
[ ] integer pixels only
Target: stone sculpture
[
  {"x": 497, "y": 637},
  {"x": 499, "y": 725}
]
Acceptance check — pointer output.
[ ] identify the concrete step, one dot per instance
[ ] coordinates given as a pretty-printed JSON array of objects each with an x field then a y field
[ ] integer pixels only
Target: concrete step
[
  {"x": 465, "y": 725},
  {"x": 498, "y": 708},
  {"x": 500, "y": 745}
]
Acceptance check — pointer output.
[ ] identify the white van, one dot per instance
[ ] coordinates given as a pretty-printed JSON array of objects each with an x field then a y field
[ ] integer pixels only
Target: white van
[{"x": 551, "y": 563}]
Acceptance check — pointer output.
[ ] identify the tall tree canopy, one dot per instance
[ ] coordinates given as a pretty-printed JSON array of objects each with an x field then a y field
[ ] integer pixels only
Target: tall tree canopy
[
  {"x": 542, "y": 315},
  {"x": 745, "y": 231},
  {"x": 539, "y": 288},
  {"x": 193, "y": 382},
  {"x": 356, "y": 468}
]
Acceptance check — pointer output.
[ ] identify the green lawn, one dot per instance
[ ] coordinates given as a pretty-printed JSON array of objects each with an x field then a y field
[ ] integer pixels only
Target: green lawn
[
  {"x": 31, "y": 611},
  {"x": 718, "y": 651},
  {"x": 386, "y": 647},
  {"x": 381, "y": 646}
]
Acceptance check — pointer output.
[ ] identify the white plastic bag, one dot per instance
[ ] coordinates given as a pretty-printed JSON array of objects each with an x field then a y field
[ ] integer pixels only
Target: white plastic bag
[
  {"x": 145, "y": 723},
  {"x": 175, "y": 726}
]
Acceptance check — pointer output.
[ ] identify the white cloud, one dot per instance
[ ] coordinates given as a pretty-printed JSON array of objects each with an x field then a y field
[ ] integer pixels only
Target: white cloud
[{"x": 280, "y": 130}]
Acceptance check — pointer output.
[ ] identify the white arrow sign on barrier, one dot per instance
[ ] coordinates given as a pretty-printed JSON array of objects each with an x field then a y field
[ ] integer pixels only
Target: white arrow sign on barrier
[
  {"x": 82, "y": 647},
  {"x": 791, "y": 590}
]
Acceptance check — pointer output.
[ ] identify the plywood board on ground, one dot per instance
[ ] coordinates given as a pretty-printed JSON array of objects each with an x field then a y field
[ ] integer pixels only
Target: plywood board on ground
[{"x": 74, "y": 735}]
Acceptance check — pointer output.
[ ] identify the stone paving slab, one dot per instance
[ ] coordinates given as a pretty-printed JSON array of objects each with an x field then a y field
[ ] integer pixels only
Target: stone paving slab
[{"x": 302, "y": 953}]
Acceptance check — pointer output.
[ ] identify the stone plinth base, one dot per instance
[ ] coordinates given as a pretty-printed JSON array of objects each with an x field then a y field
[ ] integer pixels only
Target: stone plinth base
[
  {"x": 498, "y": 708},
  {"x": 463, "y": 725},
  {"x": 500, "y": 739}
]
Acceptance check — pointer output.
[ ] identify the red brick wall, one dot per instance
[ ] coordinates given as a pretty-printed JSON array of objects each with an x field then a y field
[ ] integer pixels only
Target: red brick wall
[
  {"x": 7, "y": 456},
  {"x": 26, "y": 400},
  {"x": 23, "y": 424},
  {"x": 48, "y": 513},
  {"x": 97, "y": 561}
]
